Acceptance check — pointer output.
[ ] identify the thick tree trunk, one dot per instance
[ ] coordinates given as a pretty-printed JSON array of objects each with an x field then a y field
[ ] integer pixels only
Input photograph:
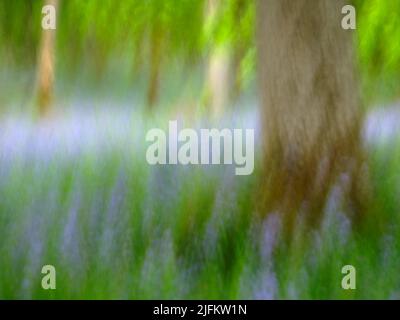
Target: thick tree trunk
[
  {"x": 311, "y": 110},
  {"x": 45, "y": 73}
]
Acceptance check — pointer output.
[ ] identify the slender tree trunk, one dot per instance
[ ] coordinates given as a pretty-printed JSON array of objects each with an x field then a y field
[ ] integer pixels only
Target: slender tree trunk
[
  {"x": 311, "y": 109},
  {"x": 155, "y": 65},
  {"x": 218, "y": 69},
  {"x": 45, "y": 73},
  {"x": 239, "y": 52},
  {"x": 218, "y": 79}
]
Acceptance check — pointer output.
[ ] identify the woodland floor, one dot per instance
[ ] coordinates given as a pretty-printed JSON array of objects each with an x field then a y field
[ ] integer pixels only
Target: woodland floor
[{"x": 76, "y": 192}]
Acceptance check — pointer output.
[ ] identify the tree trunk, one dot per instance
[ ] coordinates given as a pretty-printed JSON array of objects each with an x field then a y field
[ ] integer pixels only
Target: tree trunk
[
  {"x": 239, "y": 51},
  {"x": 45, "y": 73},
  {"x": 311, "y": 109},
  {"x": 218, "y": 69},
  {"x": 156, "y": 39},
  {"x": 218, "y": 79}
]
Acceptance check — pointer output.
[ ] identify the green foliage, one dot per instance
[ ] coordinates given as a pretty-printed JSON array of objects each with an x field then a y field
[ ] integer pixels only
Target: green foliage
[
  {"x": 378, "y": 46},
  {"x": 95, "y": 32},
  {"x": 19, "y": 31}
]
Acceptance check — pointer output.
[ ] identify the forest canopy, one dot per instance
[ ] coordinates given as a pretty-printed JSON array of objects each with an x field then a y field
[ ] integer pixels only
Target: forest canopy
[{"x": 186, "y": 32}]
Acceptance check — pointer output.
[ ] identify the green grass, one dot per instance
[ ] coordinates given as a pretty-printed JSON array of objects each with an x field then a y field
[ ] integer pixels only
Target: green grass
[{"x": 115, "y": 227}]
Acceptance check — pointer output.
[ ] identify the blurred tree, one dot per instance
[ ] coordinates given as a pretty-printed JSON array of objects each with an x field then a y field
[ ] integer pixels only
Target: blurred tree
[
  {"x": 157, "y": 39},
  {"x": 239, "y": 49},
  {"x": 242, "y": 42},
  {"x": 311, "y": 111},
  {"x": 218, "y": 66},
  {"x": 45, "y": 71},
  {"x": 163, "y": 31},
  {"x": 228, "y": 32}
]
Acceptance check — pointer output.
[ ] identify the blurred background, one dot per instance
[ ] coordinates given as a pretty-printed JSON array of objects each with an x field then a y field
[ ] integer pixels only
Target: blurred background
[{"x": 76, "y": 191}]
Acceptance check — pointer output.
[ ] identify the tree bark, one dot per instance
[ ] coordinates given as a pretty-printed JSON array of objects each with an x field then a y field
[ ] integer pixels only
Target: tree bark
[
  {"x": 310, "y": 109},
  {"x": 45, "y": 73},
  {"x": 156, "y": 39},
  {"x": 218, "y": 68}
]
